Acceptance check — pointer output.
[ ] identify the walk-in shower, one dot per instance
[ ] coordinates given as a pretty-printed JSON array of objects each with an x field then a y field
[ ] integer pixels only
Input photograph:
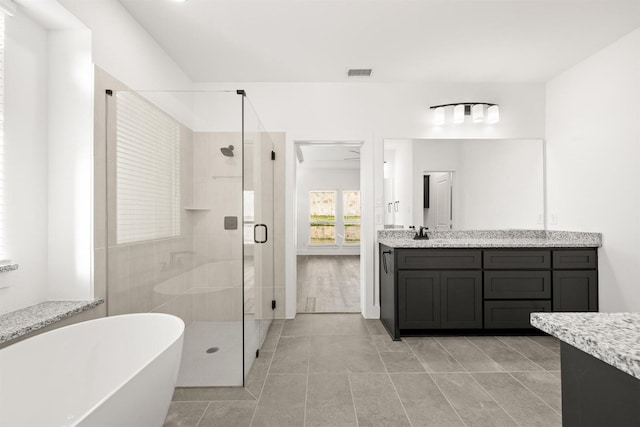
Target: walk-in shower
[{"x": 188, "y": 228}]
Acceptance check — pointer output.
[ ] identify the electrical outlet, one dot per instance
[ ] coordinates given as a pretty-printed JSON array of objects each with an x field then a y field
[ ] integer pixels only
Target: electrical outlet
[
  {"x": 540, "y": 219},
  {"x": 554, "y": 219}
]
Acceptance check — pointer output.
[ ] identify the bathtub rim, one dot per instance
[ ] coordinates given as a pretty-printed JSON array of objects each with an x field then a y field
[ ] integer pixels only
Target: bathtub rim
[{"x": 179, "y": 323}]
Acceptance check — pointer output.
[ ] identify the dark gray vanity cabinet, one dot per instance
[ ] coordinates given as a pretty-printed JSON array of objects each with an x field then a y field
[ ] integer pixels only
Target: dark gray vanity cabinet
[
  {"x": 430, "y": 289},
  {"x": 474, "y": 289},
  {"x": 429, "y": 299}
]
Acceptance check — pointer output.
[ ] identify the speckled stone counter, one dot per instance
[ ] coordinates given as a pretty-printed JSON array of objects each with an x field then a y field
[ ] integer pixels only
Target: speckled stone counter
[
  {"x": 613, "y": 338},
  {"x": 21, "y": 322},
  {"x": 600, "y": 366},
  {"x": 491, "y": 239}
]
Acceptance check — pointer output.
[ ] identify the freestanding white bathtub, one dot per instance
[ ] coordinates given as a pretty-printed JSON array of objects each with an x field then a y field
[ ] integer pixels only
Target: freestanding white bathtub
[{"x": 111, "y": 372}]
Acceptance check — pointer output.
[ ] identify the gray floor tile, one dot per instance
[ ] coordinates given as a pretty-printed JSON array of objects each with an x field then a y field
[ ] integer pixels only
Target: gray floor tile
[
  {"x": 338, "y": 324},
  {"x": 273, "y": 335},
  {"x": 329, "y": 401},
  {"x": 375, "y": 327},
  {"x": 544, "y": 357},
  {"x": 385, "y": 343},
  {"x": 203, "y": 394},
  {"x": 524, "y": 406},
  {"x": 552, "y": 343},
  {"x": 468, "y": 355},
  {"x": 225, "y": 414},
  {"x": 473, "y": 404},
  {"x": 282, "y": 402},
  {"x": 423, "y": 401},
  {"x": 376, "y": 401},
  {"x": 255, "y": 380},
  {"x": 185, "y": 414},
  {"x": 557, "y": 374},
  {"x": 298, "y": 327},
  {"x": 507, "y": 357},
  {"x": 401, "y": 361},
  {"x": 342, "y": 354},
  {"x": 545, "y": 385},
  {"x": 291, "y": 356},
  {"x": 433, "y": 356}
]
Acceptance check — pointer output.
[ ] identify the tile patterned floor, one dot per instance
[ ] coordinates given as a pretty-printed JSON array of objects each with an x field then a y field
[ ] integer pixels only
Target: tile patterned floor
[{"x": 343, "y": 370}]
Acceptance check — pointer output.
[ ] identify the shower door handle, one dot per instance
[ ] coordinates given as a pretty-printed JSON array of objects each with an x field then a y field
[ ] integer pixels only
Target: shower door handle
[{"x": 266, "y": 235}]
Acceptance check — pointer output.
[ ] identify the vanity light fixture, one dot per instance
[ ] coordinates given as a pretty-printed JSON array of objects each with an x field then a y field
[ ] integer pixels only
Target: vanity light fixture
[{"x": 480, "y": 112}]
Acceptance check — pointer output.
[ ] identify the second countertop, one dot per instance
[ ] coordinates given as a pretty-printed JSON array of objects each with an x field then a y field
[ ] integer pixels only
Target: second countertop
[{"x": 491, "y": 239}]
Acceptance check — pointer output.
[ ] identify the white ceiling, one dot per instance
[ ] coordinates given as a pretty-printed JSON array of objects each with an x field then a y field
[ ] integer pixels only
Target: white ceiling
[
  {"x": 402, "y": 40},
  {"x": 328, "y": 155}
]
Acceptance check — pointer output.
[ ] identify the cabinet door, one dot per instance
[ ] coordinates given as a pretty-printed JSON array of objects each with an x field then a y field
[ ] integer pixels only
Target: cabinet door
[
  {"x": 575, "y": 291},
  {"x": 461, "y": 297},
  {"x": 418, "y": 299}
]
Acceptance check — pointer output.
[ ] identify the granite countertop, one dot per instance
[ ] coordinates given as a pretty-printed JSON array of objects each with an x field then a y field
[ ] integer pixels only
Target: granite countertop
[
  {"x": 613, "y": 338},
  {"x": 20, "y": 322},
  {"x": 491, "y": 239}
]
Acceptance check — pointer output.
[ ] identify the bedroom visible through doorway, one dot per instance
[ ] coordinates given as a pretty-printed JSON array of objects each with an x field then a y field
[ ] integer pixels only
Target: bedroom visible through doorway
[{"x": 328, "y": 228}]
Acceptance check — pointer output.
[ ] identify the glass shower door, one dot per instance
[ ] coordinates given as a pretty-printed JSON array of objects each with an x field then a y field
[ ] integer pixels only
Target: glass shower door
[{"x": 258, "y": 236}]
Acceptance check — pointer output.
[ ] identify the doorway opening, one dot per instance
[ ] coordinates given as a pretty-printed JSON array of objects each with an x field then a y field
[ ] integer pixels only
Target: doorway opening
[
  {"x": 328, "y": 224},
  {"x": 438, "y": 200}
]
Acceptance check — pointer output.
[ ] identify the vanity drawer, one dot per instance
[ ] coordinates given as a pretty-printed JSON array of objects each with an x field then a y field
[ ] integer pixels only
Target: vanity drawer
[
  {"x": 511, "y": 259},
  {"x": 449, "y": 259},
  {"x": 517, "y": 284},
  {"x": 578, "y": 259},
  {"x": 512, "y": 314}
]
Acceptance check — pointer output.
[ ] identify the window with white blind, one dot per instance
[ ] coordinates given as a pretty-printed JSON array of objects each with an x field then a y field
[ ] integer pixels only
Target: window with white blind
[
  {"x": 147, "y": 171},
  {"x": 4, "y": 250}
]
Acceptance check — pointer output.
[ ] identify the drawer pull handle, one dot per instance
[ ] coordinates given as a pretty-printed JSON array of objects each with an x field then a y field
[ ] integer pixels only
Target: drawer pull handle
[{"x": 384, "y": 261}]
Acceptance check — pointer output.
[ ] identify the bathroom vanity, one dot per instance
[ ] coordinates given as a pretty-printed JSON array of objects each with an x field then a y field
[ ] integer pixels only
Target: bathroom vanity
[
  {"x": 483, "y": 281},
  {"x": 600, "y": 360}
]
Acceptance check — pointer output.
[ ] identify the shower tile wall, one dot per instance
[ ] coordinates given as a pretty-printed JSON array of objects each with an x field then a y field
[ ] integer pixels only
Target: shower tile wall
[
  {"x": 217, "y": 280},
  {"x": 153, "y": 276}
]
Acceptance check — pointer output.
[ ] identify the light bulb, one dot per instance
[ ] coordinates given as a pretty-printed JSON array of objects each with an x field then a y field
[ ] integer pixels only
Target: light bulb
[
  {"x": 438, "y": 116},
  {"x": 493, "y": 114},
  {"x": 458, "y": 114},
  {"x": 477, "y": 113}
]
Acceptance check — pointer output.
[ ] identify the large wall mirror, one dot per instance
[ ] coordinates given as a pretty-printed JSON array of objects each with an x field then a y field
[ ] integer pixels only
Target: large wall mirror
[{"x": 482, "y": 184}]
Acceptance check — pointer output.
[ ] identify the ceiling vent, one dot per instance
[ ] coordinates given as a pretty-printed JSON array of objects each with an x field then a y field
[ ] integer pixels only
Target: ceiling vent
[{"x": 359, "y": 72}]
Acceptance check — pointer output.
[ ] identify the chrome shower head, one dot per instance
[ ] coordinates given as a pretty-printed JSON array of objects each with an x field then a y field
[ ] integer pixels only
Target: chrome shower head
[{"x": 227, "y": 151}]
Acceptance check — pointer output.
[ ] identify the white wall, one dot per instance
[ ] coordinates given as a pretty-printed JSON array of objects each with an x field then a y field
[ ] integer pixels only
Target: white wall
[
  {"x": 593, "y": 152},
  {"x": 310, "y": 179},
  {"x": 121, "y": 47},
  {"x": 70, "y": 165},
  {"x": 403, "y": 185},
  {"x": 500, "y": 185},
  {"x": 25, "y": 163}
]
